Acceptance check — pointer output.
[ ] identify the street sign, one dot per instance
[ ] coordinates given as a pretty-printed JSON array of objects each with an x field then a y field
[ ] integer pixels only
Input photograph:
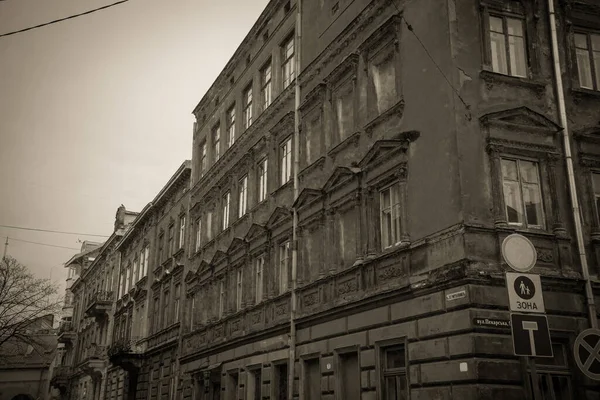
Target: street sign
[
  {"x": 531, "y": 335},
  {"x": 525, "y": 292},
  {"x": 518, "y": 252},
  {"x": 587, "y": 353}
]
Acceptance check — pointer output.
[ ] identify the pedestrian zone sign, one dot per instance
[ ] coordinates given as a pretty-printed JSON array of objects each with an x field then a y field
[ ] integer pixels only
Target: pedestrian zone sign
[{"x": 525, "y": 292}]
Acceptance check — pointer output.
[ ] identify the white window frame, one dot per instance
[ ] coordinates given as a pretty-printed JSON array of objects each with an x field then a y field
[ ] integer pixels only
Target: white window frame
[
  {"x": 243, "y": 196},
  {"x": 288, "y": 72},
  {"x": 263, "y": 179},
  {"x": 230, "y": 121},
  {"x": 519, "y": 181},
  {"x": 239, "y": 289},
  {"x": 285, "y": 165},
  {"x": 509, "y": 54},
  {"x": 216, "y": 138},
  {"x": 284, "y": 255},
  {"x": 203, "y": 163},
  {"x": 146, "y": 258},
  {"x": 198, "y": 234},
  {"x": 266, "y": 85},
  {"x": 259, "y": 265},
  {"x": 592, "y": 59},
  {"x": 247, "y": 114},
  {"x": 394, "y": 234},
  {"x": 221, "y": 298},
  {"x": 181, "y": 231},
  {"x": 226, "y": 202},
  {"x": 209, "y": 227}
]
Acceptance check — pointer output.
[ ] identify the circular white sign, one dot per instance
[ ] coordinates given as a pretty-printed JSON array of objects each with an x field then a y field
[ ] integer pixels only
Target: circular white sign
[{"x": 518, "y": 252}]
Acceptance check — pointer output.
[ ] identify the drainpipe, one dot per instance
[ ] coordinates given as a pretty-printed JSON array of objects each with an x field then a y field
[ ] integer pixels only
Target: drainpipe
[
  {"x": 296, "y": 149},
  {"x": 569, "y": 161}
]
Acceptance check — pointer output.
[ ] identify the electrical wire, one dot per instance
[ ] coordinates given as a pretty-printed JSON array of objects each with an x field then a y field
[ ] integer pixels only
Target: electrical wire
[
  {"x": 51, "y": 231},
  {"x": 411, "y": 29},
  {"x": 42, "y": 244},
  {"x": 64, "y": 19}
]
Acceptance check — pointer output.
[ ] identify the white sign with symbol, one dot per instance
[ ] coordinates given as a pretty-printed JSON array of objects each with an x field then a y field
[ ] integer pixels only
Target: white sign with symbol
[{"x": 525, "y": 292}]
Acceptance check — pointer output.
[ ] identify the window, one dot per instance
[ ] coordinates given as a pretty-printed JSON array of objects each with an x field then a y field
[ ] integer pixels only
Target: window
[
  {"x": 225, "y": 210},
  {"x": 281, "y": 382},
  {"x": 181, "y": 231},
  {"x": 209, "y": 229},
  {"x": 312, "y": 140},
  {"x": 136, "y": 270},
  {"x": 522, "y": 193},
  {"x": 287, "y": 65},
  {"x": 198, "y": 234},
  {"x": 192, "y": 311},
  {"x": 234, "y": 384},
  {"x": 221, "y": 298},
  {"x": 247, "y": 100},
  {"x": 344, "y": 113},
  {"x": 171, "y": 243},
  {"x": 554, "y": 377},
  {"x": 177, "y": 294},
  {"x": 216, "y": 137},
  {"x": 350, "y": 374},
  {"x": 384, "y": 81},
  {"x": 284, "y": 250},
  {"x": 254, "y": 384},
  {"x": 265, "y": 85},
  {"x": 285, "y": 165},
  {"x": 393, "y": 373},
  {"x": 312, "y": 379},
  {"x": 239, "y": 289},
  {"x": 146, "y": 258},
  {"x": 259, "y": 267},
  {"x": 596, "y": 189},
  {"x": 203, "y": 166},
  {"x": 231, "y": 126},
  {"x": 389, "y": 202},
  {"x": 121, "y": 284},
  {"x": 127, "y": 278},
  {"x": 166, "y": 319},
  {"x": 156, "y": 315},
  {"x": 160, "y": 247},
  {"x": 587, "y": 50},
  {"x": 507, "y": 44},
  {"x": 243, "y": 198},
  {"x": 142, "y": 272},
  {"x": 262, "y": 180}
]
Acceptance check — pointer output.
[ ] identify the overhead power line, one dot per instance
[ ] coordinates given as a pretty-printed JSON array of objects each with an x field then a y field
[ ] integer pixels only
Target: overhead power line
[
  {"x": 64, "y": 19},
  {"x": 43, "y": 244},
  {"x": 51, "y": 231}
]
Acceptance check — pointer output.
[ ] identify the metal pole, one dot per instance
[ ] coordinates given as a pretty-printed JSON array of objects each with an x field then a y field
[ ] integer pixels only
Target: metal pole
[
  {"x": 296, "y": 153},
  {"x": 5, "y": 249},
  {"x": 534, "y": 379},
  {"x": 569, "y": 162}
]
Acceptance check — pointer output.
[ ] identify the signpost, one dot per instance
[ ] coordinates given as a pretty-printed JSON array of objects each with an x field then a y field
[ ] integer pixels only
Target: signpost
[
  {"x": 587, "y": 353},
  {"x": 530, "y": 332}
]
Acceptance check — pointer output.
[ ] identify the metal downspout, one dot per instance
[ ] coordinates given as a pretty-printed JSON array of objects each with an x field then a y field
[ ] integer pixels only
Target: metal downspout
[
  {"x": 296, "y": 153},
  {"x": 569, "y": 162}
]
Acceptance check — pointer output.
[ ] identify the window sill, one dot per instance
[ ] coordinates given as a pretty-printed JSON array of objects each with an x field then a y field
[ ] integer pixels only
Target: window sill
[
  {"x": 491, "y": 78},
  {"x": 525, "y": 230},
  {"x": 582, "y": 93}
]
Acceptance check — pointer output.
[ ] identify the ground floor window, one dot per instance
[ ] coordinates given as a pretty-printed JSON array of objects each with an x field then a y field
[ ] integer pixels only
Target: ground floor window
[
  {"x": 553, "y": 376},
  {"x": 393, "y": 373}
]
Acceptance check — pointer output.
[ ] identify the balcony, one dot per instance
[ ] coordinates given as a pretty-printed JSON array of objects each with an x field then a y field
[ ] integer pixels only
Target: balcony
[
  {"x": 66, "y": 333},
  {"x": 99, "y": 305},
  {"x": 93, "y": 360},
  {"x": 60, "y": 378},
  {"x": 127, "y": 353}
]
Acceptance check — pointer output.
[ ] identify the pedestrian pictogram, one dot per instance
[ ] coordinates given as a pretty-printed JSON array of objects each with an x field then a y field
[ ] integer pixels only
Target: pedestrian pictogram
[
  {"x": 587, "y": 353},
  {"x": 531, "y": 335},
  {"x": 525, "y": 292}
]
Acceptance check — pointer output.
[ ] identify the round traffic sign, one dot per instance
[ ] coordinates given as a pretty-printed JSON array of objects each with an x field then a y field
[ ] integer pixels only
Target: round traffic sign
[
  {"x": 587, "y": 353},
  {"x": 518, "y": 252},
  {"x": 524, "y": 288}
]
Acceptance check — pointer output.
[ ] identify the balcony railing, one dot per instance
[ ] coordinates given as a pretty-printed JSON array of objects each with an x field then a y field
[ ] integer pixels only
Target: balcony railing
[
  {"x": 94, "y": 352},
  {"x": 163, "y": 336},
  {"x": 66, "y": 332},
  {"x": 127, "y": 353},
  {"x": 99, "y": 305}
]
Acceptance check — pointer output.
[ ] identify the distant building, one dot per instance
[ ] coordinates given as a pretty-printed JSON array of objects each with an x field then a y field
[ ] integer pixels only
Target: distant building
[{"x": 24, "y": 368}]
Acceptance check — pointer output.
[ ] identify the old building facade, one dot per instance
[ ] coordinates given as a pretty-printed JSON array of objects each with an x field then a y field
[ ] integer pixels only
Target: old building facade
[{"x": 428, "y": 132}]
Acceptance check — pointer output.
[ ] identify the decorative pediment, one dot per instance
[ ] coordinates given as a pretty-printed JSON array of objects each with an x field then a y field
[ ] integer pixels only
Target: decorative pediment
[
  {"x": 218, "y": 257},
  {"x": 307, "y": 196},
  {"x": 204, "y": 265},
  {"x": 339, "y": 176},
  {"x": 383, "y": 149},
  {"x": 314, "y": 97},
  {"x": 591, "y": 134},
  {"x": 389, "y": 29},
  {"x": 284, "y": 125},
  {"x": 347, "y": 67},
  {"x": 190, "y": 276},
  {"x": 255, "y": 232},
  {"x": 522, "y": 118},
  {"x": 278, "y": 215},
  {"x": 237, "y": 244}
]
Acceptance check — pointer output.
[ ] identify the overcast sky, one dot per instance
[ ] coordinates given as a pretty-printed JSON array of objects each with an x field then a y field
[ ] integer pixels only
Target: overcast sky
[{"x": 96, "y": 111}]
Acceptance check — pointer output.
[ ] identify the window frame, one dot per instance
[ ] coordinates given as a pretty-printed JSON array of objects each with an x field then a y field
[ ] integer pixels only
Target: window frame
[
  {"x": 216, "y": 141},
  {"x": 221, "y": 303},
  {"x": 285, "y": 159},
  {"x": 399, "y": 204},
  {"x": 182, "y": 222},
  {"x": 239, "y": 289},
  {"x": 225, "y": 210},
  {"x": 259, "y": 267},
  {"x": 381, "y": 369},
  {"x": 247, "y": 100},
  {"x": 198, "y": 244},
  {"x": 263, "y": 178},
  {"x": 283, "y": 265},
  {"x": 288, "y": 59},
  {"x": 505, "y": 16},
  {"x": 230, "y": 125},
  {"x": 266, "y": 85},
  {"x": 203, "y": 158},
  {"x": 590, "y": 53},
  {"x": 542, "y": 217},
  {"x": 243, "y": 196}
]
